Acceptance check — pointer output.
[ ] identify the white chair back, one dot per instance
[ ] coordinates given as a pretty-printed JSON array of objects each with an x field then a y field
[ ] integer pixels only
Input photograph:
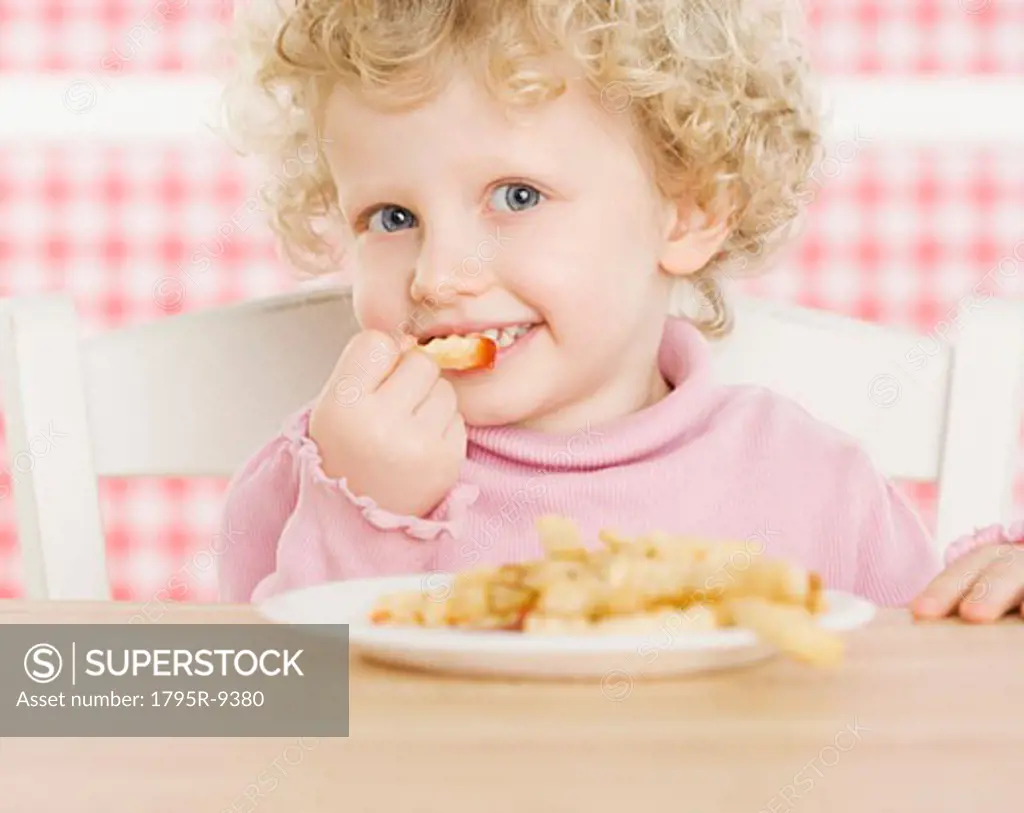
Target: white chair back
[{"x": 186, "y": 396}]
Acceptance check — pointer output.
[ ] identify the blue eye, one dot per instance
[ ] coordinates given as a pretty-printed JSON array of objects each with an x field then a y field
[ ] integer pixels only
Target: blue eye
[
  {"x": 516, "y": 197},
  {"x": 391, "y": 218}
]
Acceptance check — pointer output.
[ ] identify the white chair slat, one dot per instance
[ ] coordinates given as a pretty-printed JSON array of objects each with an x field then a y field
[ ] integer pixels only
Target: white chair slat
[
  {"x": 50, "y": 451},
  {"x": 981, "y": 437}
]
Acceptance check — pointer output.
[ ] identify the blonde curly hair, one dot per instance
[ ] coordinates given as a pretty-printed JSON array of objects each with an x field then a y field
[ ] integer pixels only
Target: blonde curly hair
[{"x": 721, "y": 91}]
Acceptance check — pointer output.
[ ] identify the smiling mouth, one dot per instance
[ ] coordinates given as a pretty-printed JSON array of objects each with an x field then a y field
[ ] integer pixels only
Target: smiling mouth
[{"x": 503, "y": 338}]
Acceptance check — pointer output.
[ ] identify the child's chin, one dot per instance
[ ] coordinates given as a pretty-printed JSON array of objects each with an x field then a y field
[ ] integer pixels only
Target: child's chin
[
  {"x": 487, "y": 418},
  {"x": 483, "y": 413}
]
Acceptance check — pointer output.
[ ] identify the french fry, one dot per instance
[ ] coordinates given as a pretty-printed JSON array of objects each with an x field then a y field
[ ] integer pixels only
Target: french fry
[
  {"x": 468, "y": 603},
  {"x": 568, "y": 589},
  {"x": 636, "y": 583},
  {"x": 789, "y": 628},
  {"x": 505, "y": 599},
  {"x": 817, "y": 601},
  {"x": 771, "y": 580},
  {"x": 561, "y": 538},
  {"x": 461, "y": 352},
  {"x": 613, "y": 540}
]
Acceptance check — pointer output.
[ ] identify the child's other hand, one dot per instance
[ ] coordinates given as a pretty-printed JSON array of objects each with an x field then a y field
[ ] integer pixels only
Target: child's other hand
[
  {"x": 982, "y": 585},
  {"x": 389, "y": 423}
]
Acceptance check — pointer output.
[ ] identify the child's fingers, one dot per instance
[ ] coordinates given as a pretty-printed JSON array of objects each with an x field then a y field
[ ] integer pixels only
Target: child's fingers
[
  {"x": 410, "y": 382},
  {"x": 456, "y": 430},
  {"x": 956, "y": 583},
  {"x": 437, "y": 409},
  {"x": 365, "y": 363},
  {"x": 998, "y": 588}
]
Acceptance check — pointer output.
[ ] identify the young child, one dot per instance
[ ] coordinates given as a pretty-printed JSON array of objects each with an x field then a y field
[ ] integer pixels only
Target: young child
[{"x": 544, "y": 172}]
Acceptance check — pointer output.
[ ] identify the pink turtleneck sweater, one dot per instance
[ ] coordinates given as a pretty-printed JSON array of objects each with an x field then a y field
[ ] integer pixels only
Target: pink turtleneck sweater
[{"x": 709, "y": 460}]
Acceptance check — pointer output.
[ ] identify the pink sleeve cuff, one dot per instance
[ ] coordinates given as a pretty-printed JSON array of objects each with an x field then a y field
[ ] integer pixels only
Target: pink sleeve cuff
[
  {"x": 991, "y": 535},
  {"x": 445, "y": 518}
]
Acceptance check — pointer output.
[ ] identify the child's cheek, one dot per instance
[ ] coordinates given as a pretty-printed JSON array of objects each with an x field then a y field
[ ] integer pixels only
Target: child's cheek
[
  {"x": 386, "y": 254},
  {"x": 561, "y": 286},
  {"x": 542, "y": 265},
  {"x": 382, "y": 271}
]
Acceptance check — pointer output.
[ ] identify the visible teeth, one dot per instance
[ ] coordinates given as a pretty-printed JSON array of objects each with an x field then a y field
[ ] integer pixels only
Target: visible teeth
[
  {"x": 508, "y": 336},
  {"x": 503, "y": 337}
]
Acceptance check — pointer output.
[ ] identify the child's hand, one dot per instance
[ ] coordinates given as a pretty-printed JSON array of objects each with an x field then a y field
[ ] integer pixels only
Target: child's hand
[
  {"x": 982, "y": 585},
  {"x": 388, "y": 422}
]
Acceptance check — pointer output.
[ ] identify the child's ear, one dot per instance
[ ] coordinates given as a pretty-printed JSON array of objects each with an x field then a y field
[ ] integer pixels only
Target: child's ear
[{"x": 692, "y": 238}]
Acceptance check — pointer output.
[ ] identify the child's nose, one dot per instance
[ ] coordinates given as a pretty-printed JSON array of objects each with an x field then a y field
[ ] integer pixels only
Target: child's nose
[{"x": 450, "y": 267}]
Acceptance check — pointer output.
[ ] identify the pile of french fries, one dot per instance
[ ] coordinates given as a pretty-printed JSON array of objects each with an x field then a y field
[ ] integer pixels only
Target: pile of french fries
[{"x": 630, "y": 587}]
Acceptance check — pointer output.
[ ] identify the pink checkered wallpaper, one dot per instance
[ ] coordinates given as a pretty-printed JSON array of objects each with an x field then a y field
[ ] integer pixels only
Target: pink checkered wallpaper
[
  {"x": 896, "y": 234},
  {"x": 853, "y": 36}
]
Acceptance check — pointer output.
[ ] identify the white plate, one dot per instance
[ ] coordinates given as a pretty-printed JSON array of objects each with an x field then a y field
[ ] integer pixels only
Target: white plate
[{"x": 616, "y": 660}]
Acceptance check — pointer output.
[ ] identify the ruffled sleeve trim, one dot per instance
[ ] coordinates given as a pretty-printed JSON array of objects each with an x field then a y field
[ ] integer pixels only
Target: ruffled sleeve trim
[
  {"x": 990, "y": 535},
  {"x": 447, "y": 518}
]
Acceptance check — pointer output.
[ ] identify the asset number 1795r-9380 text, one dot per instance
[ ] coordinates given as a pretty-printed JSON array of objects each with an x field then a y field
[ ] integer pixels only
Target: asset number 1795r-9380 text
[{"x": 204, "y": 699}]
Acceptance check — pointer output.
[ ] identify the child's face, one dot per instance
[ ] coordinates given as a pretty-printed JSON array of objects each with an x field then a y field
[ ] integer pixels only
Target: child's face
[{"x": 548, "y": 224}]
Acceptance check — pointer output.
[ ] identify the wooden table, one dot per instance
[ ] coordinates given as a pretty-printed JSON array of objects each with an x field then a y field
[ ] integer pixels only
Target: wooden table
[{"x": 920, "y": 718}]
